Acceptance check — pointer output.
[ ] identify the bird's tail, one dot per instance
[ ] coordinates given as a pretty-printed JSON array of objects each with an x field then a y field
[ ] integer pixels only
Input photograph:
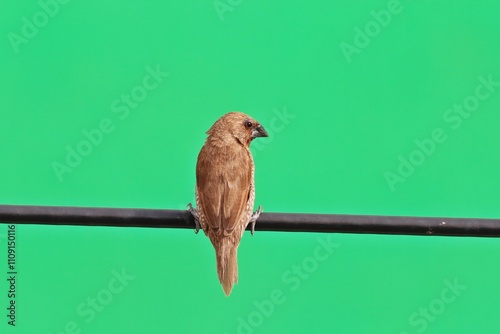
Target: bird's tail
[{"x": 227, "y": 265}]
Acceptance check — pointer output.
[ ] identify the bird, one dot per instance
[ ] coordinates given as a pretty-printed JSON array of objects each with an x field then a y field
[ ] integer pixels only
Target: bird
[{"x": 225, "y": 189}]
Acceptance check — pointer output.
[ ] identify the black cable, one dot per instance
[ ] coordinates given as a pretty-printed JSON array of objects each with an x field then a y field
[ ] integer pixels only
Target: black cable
[{"x": 285, "y": 222}]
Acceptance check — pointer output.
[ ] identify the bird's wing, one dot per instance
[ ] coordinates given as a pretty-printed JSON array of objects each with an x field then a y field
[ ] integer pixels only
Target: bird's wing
[{"x": 223, "y": 184}]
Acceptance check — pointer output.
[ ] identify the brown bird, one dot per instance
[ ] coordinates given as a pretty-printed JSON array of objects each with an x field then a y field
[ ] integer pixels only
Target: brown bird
[{"x": 225, "y": 189}]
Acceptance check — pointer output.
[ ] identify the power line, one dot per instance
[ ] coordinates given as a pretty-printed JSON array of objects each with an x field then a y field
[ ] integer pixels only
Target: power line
[{"x": 284, "y": 222}]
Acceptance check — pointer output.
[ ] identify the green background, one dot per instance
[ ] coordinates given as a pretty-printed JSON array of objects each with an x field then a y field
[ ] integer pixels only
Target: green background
[{"x": 337, "y": 125}]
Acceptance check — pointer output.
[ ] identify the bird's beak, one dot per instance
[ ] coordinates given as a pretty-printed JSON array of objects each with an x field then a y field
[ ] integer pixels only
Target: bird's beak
[{"x": 259, "y": 132}]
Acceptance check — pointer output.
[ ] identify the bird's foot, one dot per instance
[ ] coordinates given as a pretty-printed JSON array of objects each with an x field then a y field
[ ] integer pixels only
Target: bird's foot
[
  {"x": 196, "y": 217},
  {"x": 253, "y": 219}
]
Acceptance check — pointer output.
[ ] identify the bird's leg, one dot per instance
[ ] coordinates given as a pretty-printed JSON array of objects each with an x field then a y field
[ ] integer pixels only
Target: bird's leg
[
  {"x": 196, "y": 216},
  {"x": 253, "y": 219}
]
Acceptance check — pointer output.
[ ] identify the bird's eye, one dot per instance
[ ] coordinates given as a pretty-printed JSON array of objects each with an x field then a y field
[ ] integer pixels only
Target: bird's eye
[{"x": 248, "y": 124}]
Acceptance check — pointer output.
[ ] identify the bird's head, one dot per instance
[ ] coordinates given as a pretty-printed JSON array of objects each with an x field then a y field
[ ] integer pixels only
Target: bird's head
[{"x": 239, "y": 126}]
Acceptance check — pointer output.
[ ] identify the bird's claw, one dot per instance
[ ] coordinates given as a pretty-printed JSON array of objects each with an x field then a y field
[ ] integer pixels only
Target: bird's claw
[
  {"x": 196, "y": 217},
  {"x": 253, "y": 219}
]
